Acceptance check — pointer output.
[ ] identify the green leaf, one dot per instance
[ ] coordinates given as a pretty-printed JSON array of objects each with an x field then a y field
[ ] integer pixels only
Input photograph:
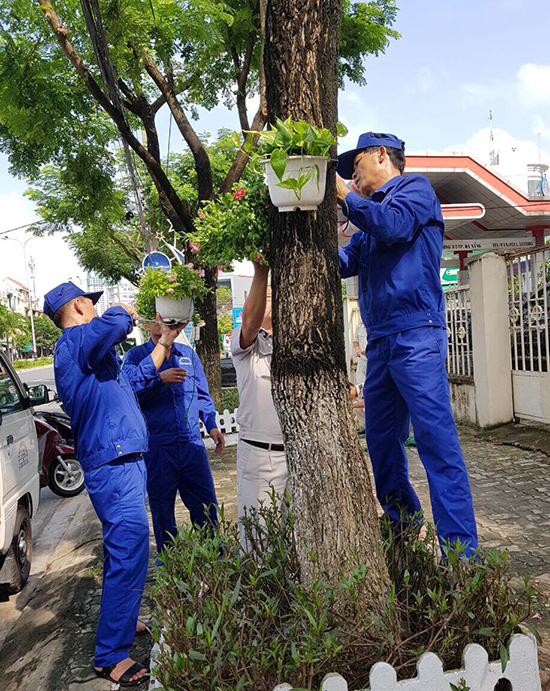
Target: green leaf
[
  {"x": 532, "y": 630},
  {"x": 303, "y": 180},
  {"x": 289, "y": 184},
  {"x": 341, "y": 129},
  {"x": 278, "y": 161},
  {"x": 317, "y": 171},
  {"x": 236, "y": 591},
  {"x": 503, "y": 656},
  {"x": 310, "y": 617},
  {"x": 195, "y": 655}
]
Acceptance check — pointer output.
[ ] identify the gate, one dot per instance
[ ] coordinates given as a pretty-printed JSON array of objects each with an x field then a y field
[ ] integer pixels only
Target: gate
[
  {"x": 460, "y": 363},
  {"x": 529, "y": 303}
]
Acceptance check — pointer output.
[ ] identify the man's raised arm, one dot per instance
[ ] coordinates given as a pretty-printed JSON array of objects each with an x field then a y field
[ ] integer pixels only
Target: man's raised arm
[{"x": 254, "y": 307}]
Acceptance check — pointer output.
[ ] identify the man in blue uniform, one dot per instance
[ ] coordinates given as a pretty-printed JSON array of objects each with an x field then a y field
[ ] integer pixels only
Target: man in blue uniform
[
  {"x": 110, "y": 439},
  {"x": 397, "y": 253},
  {"x": 172, "y": 401}
]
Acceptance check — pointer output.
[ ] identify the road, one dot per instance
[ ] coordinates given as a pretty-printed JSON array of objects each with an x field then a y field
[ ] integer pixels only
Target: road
[
  {"x": 52, "y": 519},
  {"x": 40, "y": 375}
]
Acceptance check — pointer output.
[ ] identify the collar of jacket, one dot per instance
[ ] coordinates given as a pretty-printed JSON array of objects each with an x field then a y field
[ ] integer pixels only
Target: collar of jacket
[{"x": 381, "y": 192}]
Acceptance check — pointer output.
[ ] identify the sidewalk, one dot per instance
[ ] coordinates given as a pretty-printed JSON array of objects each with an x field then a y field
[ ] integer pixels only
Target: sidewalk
[{"x": 52, "y": 645}]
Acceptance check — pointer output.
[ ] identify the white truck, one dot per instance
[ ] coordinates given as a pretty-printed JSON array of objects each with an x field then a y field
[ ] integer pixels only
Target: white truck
[{"x": 19, "y": 479}]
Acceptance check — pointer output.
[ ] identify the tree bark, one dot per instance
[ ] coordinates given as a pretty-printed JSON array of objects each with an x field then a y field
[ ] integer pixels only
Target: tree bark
[
  {"x": 331, "y": 490},
  {"x": 208, "y": 346}
]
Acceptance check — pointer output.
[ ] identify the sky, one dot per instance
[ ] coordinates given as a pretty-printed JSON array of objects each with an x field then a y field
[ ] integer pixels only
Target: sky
[{"x": 434, "y": 88}]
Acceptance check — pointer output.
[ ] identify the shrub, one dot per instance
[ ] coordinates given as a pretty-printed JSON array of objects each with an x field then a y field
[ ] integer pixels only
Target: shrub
[
  {"x": 29, "y": 364},
  {"x": 229, "y": 399},
  {"x": 245, "y": 622}
]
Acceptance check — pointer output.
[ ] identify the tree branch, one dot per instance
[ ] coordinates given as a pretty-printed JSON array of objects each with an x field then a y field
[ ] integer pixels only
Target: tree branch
[
  {"x": 242, "y": 78},
  {"x": 127, "y": 91},
  {"x": 123, "y": 246},
  {"x": 202, "y": 160},
  {"x": 173, "y": 207},
  {"x": 157, "y": 105},
  {"x": 242, "y": 158}
]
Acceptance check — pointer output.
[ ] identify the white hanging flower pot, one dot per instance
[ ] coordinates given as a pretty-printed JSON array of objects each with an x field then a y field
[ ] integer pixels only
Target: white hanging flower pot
[
  {"x": 179, "y": 310},
  {"x": 310, "y": 195}
]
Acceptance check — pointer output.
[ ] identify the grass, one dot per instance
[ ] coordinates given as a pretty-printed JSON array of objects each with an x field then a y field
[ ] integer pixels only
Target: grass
[{"x": 29, "y": 364}]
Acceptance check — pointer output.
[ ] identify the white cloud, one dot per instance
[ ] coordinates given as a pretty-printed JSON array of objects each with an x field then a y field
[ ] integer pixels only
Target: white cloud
[
  {"x": 55, "y": 261},
  {"x": 529, "y": 88},
  {"x": 514, "y": 154},
  {"x": 534, "y": 84}
]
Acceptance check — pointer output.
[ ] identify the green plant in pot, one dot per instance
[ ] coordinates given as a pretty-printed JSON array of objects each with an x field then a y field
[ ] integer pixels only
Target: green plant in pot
[
  {"x": 170, "y": 293},
  {"x": 234, "y": 227},
  {"x": 296, "y": 155}
]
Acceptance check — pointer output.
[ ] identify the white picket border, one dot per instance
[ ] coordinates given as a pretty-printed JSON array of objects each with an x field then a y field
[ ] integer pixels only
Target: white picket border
[
  {"x": 226, "y": 422},
  {"x": 522, "y": 671}
]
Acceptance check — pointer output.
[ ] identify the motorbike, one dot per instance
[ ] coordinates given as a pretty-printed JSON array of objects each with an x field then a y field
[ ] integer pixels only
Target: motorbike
[
  {"x": 60, "y": 469},
  {"x": 59, "y": 420}
]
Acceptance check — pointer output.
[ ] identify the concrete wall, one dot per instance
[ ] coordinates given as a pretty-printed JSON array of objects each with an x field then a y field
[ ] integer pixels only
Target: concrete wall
[
  {"x": 463, "y": 400},
  {"x": 491, "y": 340}
]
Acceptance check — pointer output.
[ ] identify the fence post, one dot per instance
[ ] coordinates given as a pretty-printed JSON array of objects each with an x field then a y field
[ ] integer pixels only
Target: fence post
[{"x": 491, "y": 340}]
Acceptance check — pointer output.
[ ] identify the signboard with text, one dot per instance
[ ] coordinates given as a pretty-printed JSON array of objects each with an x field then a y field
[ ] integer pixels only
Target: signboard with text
[{"x": 495, "y": 244}]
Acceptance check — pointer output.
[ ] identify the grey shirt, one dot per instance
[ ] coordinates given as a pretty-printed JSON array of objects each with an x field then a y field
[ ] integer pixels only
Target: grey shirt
[{"x": 256, "y": 416}]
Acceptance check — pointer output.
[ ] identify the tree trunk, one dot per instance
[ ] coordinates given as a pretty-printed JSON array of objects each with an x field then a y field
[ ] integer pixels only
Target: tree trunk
[
  {"x": 208, "y": 347},
  {"x": 331, "y": 491}
]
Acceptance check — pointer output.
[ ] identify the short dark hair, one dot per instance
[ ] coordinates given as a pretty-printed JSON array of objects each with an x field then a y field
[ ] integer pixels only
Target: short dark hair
[
  {"x": 59, "y": 316},
  {"x": 397, "y": 156}
]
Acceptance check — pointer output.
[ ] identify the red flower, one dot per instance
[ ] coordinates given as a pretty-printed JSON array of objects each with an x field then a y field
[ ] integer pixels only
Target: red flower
[
  {"x": 200, "y": 214},
  {"x": 193, "y": 247},
  {"x": 239, "y": 193}
]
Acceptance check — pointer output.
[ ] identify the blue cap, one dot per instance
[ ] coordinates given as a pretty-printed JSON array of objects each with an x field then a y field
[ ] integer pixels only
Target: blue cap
[
  {"x": 64, "y": 293},
  {"x": 345, "y": 160}
]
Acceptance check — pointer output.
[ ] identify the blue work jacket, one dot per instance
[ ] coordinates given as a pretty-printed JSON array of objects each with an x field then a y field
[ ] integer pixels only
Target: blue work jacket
[
  {"x": 397, "y": 255},
  {"x": 105, "y": 416},
  {"x": 172, "y": 411}
]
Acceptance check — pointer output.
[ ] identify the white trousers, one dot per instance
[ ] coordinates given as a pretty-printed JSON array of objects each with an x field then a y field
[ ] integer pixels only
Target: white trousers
[{"x": 259, "y": 472}]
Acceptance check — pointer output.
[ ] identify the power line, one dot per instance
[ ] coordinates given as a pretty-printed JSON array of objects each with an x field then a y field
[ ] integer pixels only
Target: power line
[{"x": 27, "y": 225}]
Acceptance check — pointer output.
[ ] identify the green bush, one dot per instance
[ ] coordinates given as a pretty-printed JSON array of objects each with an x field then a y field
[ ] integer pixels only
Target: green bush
[
  {"x": 29, "y": 364},
  {"x": 229, "y": 399},
  {"x": 245, "y": 622}
]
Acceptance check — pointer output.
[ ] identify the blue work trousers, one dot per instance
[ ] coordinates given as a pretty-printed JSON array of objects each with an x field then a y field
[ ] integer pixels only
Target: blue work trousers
[
  {"x": 407, "y": 378},
  {"x": 179, "y": 467},
  {"x": 117, "y": 492}
]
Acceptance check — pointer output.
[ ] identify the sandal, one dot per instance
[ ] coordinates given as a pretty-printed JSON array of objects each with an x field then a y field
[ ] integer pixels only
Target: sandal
[{"x": 124, "y": 680}]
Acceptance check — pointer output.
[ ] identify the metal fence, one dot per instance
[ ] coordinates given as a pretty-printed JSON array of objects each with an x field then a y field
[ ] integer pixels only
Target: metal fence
[
  {"x": 460, "y": 362},
  {"x": 529, "y": 301}
]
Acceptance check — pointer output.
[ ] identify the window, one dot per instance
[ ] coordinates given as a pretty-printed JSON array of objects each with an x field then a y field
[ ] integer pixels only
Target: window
[{"x": 10, "y": 398}]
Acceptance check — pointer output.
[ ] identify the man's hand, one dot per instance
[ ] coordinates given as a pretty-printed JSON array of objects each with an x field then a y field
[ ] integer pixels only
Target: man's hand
[
  {"x": 131, "y": 311},
  {"x": 168, "y": 334},
  {"x": 342, "y": 190},
  {"x": 218, "y": 438},
  {"x": 174, "y": 375}
]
